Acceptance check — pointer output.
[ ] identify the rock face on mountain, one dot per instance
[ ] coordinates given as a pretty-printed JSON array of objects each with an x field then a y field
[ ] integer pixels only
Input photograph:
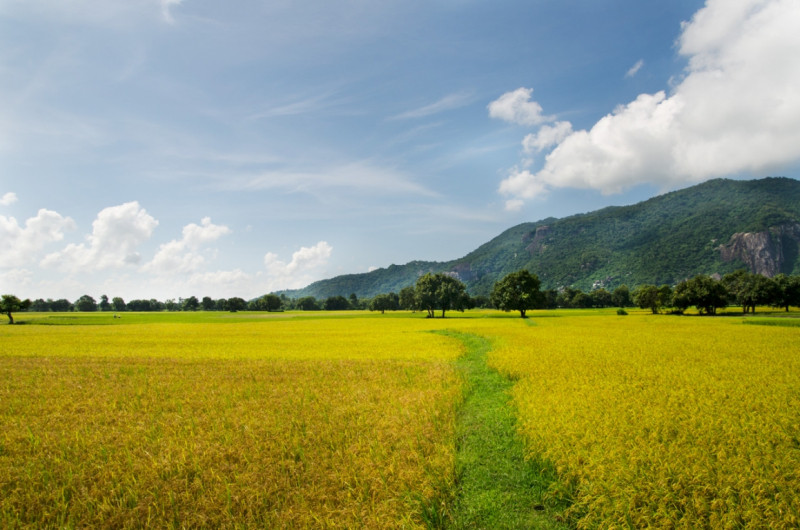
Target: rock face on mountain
[{"x": 764, "y": 252}]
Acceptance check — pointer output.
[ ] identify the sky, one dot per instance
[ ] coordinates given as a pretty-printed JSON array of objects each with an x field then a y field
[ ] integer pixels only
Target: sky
[{"x": 174, "y": 148}]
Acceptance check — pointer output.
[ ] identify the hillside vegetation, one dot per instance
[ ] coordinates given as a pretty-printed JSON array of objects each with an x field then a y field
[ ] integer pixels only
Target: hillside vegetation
[{"x": 715, "y": 227}]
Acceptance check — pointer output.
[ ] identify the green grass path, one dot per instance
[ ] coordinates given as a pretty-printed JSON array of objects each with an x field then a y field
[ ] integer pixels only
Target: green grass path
[{"x": 497, "y": 486}]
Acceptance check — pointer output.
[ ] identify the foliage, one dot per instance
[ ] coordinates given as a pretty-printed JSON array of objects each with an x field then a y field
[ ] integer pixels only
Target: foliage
[
  {"x": 85, "y": 303},
  {"x": 663, "y": 240},
  {"x": 440, "y": 291},
  {"x": 703, "y": 292},
  {"x": 384, "y": 302},
  {"x": 10, "y": 304},
  {"x": 336, "y": 303},
  {"x": 517, "y": 291}
]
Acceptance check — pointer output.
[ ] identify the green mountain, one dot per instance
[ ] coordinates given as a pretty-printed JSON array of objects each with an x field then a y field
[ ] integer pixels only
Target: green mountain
[{"x": 712, "y": 228}]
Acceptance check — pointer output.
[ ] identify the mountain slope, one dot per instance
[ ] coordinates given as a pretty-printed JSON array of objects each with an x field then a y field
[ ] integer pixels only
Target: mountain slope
[{"x": 714, "y": 227}]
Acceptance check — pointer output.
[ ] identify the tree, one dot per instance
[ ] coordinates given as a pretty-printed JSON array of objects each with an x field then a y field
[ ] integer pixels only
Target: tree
[
  {"x": 336, "y": 303},
  {"x": 382, "y": 302},
  {"x": 11, "y": 304},
  {"x": 118, "y": 304},
  {"x": 86, "y": 303},
  {"x": 517, "y": 291},
  {"x": 61, "y": 305},
  {"x": 787, "y": 291},
  {"x": 749, "y": 290},
  {"x": 440, "y": 291},
  {"x": 647, "y": 297},
  {"x": 104, "y": 305},
  {"x": 601, "y": 298},
  {"x": 191, "y": 304},
  {"x": 665, "y": 296},
  {"x": 236, "y": 304},
  {"x": 208, "y": 304},
  {"x": 271, "y": 302},
  {"x": 308, "y": 303},
  {"x": 621, "y": 296},
  {"x": 407, "y": 298},
  {"x": 40, "y": 306},
  {"x": 582, "y": 300},
  {"x": 171, "y": 305},
  {"x": 703, "y": 292},
  {"x": 354, "y": 303}
]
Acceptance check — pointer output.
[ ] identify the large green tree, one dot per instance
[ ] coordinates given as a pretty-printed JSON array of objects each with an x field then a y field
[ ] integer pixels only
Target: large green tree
[
  {"x": 86, "y": 303},
  {"x": 517, "y": 291},
  {"x": 11, "y": 304},
  {"x": 647, "y": 297},
  {"x": 440, "y": 291},
  {"x": 787, "y": 291},
  {"x": 703, "y": 292},
  {"x": 382, "y": 302}
]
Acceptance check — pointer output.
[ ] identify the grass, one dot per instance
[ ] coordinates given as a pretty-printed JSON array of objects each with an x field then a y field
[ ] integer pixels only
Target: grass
[{"x": 497, "y": 487}]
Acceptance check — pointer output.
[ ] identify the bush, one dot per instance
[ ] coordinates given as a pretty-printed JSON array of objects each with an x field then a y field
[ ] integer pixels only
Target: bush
[{"x": 621, "y": 311}]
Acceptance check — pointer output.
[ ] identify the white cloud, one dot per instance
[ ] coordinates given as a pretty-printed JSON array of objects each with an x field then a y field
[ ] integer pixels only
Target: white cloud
[
  {"x": 736, "y": 110},
  {"x": 21, "y": 245},
  {"x": 547, "y": 136},
  {"x": 297, "y": 273},
  {"x": 165, "y": 9},
  {"x": 13, "y": 280},
  {"x": 633, "y": 70},
  {"x": 517, "y": 107},
  {"x": 182, "y": 256},
  {"x": 8, "y": 199},
  {"x": 449, "y": 102},
  {"x": 359, "y": 176},
  {"x": 116, "y": 234},
  {"x": 514, "y": 205}
]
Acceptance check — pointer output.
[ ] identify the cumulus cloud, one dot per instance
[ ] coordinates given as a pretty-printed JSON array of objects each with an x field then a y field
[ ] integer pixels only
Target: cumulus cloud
[
  {"x": 297, "y": 273},
  {"x": 8, "y": 199},
  {"x": 547, "y": 136},
  {"x": 117, "y": 232},
  {"x": 736, "y": 110},
  {"x": 21, "y": 244},
  {"x": 517, "y": 107},
  {"x": 180, "y": 256}
]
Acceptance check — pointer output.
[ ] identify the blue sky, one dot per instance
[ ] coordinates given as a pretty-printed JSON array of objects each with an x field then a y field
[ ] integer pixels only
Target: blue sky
[{"x": 169, "y": 148}]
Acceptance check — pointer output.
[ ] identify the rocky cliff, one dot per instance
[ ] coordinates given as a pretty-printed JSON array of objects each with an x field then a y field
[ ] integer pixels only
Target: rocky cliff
[{"x": 765, "y": 252}]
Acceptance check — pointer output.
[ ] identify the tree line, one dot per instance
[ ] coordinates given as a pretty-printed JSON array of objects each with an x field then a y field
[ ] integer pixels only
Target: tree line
[{"x": 517, "y": 291}]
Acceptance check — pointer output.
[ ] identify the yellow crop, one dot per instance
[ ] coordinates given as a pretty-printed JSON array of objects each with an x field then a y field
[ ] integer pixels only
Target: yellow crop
[
  {"x": 297, "y": 421},
  {"x": 663, "y": 421},
  {"x": 267, "y": 424}
]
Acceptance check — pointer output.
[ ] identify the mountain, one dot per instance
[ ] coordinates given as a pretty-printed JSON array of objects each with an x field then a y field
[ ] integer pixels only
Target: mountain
[{"x": 711, "y": 228}]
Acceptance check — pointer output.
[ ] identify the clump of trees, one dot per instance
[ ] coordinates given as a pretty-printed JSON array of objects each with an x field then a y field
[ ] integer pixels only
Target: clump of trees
[
  {"x": 517, "y": 291},
  {"x": 440, "y": 291},
  {"x": 709, "y": 294}
]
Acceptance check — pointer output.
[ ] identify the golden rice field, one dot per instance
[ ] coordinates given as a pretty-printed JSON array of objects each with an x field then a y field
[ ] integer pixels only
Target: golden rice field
[
  {"x": 663, "y": 421},
  {"x": 290, "y": 423},
  {"x": 348, "y": 421}
]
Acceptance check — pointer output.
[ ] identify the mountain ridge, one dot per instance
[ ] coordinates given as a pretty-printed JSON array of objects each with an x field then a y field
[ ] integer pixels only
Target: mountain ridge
[{"x": 711, "y": 228}]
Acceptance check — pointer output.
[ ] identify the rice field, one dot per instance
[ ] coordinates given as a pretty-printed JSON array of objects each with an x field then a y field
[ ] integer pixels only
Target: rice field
[
  {"x": 291, "y": 423},
  {"x": 348, "y": 420}
]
